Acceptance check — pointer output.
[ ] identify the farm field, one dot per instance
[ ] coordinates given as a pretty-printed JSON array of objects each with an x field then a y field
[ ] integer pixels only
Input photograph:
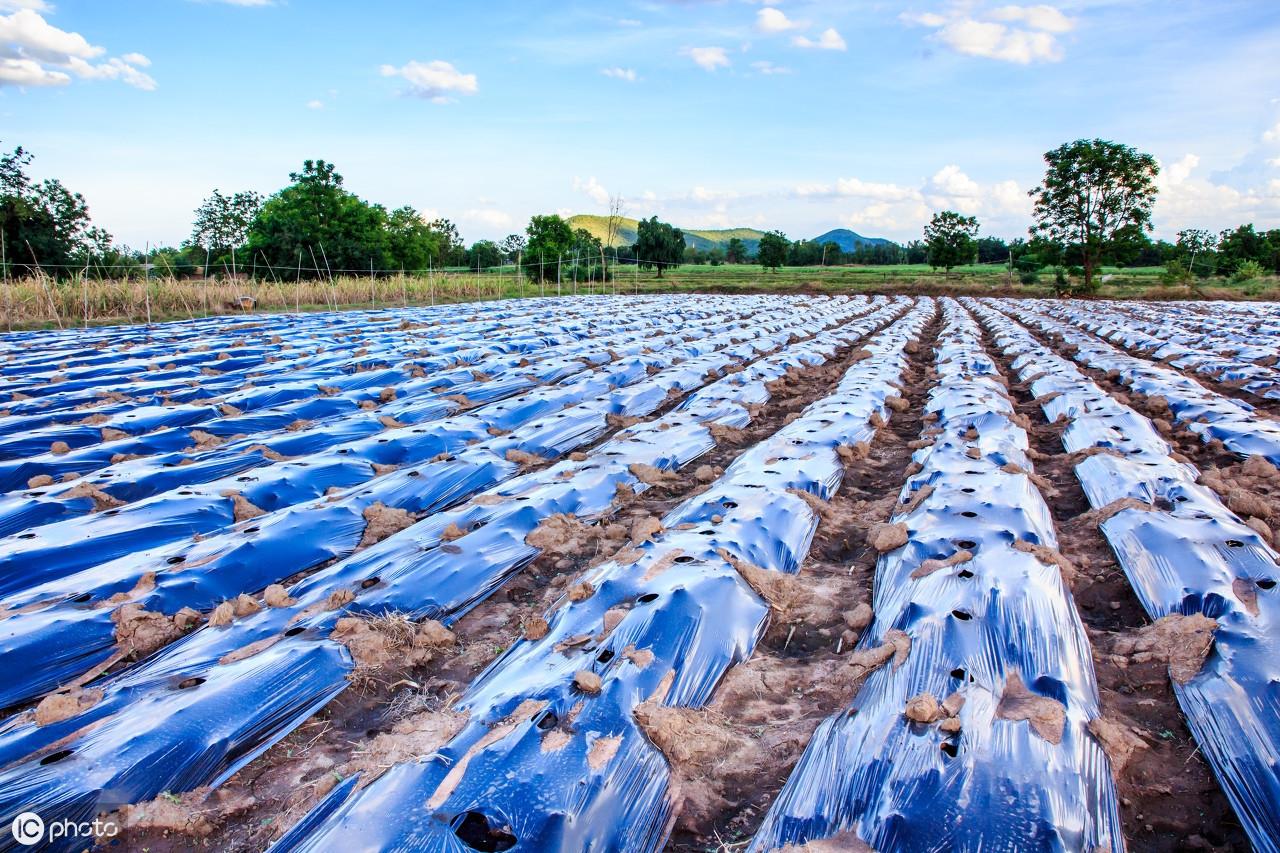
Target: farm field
[
  {"x": 694, "y": 572},
  {"x": 43, "y": 303}
]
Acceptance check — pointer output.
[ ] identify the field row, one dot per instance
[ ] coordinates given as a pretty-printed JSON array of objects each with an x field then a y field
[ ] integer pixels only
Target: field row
[{"x": 550, "y": 573}]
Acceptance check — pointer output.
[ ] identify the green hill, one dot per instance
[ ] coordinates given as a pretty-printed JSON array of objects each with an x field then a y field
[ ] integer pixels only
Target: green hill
[{"x": 598, "y": 226}]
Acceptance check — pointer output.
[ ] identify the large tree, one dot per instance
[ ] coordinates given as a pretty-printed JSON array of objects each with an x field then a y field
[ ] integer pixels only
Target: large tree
[
  {"x": 550, "y": 239},
  {"x": 736, "y": 251},
  {"x": 1092, "y": 191},
  {"x": 453, "y": 252},
  {"x": 411, "y": 242},
  {"x": 773, "y": 250},
  {"x": 951, "y": 240},
  {"x": 1195, "y": 248},
  {"x": 484, "y": 254},
  {"x": 658, "y": 244},
  {"x": 512, "y": 246},
  {"x": 43, "y": 226},
  {"x": 222, "y": 223},
  {"x": 316, "y": 218}
]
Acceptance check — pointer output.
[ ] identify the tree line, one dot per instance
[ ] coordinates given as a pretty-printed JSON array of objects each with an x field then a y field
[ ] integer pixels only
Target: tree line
[{"x": 1093, "y": 207}]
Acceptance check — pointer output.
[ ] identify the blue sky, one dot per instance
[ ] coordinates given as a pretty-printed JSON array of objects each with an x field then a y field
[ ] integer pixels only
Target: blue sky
[{"x": 798, "y": 115}]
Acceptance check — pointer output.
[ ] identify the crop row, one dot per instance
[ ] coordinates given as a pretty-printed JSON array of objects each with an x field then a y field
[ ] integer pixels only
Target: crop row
[{"x": 219, "y": 697}]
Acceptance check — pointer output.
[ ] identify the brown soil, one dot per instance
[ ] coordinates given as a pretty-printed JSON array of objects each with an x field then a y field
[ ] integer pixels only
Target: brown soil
[
  {"x": 405, "y": 687},
  {"x": 1168, "y": 792},
  {"x": 805, "y": 668}
]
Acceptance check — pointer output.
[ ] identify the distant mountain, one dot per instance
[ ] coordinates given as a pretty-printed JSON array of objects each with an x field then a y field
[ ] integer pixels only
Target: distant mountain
[
  {"x": 704, "y": 239},
  {"x": 849, "y": 241},
  {"x": 598, "y": 226}
]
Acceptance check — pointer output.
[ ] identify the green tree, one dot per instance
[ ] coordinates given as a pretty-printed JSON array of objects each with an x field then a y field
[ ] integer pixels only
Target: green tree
[
  {"x": 1092, "y": 189},
  {"x": 453, "y": 252},
  {"x": 950, "y": 240},
  {"x": 773, "y": 250},
  {"x": 222, "y": 224},
  {"x": 314, "y": 217},
  {"x": 1243, "y": 244},
  {"x": 550, "y": 238},
  {"x": 736, "y": 251},
  {"x": 658, "y": 244},
  {"x": 1195, "y": 249},
  {"x": 411, "y": 243},
  {"x": 992, "y": 250},
  {"x": 512, "y": 245},
  {"x": 44, "y": 226},
  {"x": 484, "y": 254}
]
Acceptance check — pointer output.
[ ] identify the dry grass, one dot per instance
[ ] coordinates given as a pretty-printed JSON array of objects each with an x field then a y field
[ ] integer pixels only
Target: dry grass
[{"x": 41, "y": 302}]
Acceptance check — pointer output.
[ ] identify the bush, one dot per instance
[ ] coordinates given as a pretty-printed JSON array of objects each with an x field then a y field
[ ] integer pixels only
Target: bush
[
  {"x": 1175, "y": 272},
  {"x": 1247, "y": 271},
  {"x": 1061, "y": 286},
  {"x": 1029, "y": 277}
]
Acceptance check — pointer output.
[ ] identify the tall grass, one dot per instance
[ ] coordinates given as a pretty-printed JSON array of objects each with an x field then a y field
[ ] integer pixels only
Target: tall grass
[{"x": 42, "y": 302}]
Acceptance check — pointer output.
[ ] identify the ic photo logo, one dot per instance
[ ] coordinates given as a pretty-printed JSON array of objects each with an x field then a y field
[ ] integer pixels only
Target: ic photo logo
[{"x": 29, "y": 829}]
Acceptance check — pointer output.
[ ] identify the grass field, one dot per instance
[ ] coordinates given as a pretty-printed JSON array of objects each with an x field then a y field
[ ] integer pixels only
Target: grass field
[{"x": 38, "y": 303}]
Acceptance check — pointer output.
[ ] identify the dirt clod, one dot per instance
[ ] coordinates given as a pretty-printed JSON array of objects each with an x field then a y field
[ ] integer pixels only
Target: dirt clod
[
  {"x": 1048, "y": 717},
  {"x": 1181, "y": 642},
  {"x": 886, "y": 537},
  {"x": 384, "y": 521},
  {"x": 60, "y": 706}
]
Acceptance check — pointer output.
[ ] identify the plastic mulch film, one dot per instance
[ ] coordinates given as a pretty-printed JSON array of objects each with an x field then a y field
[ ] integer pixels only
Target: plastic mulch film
[
  {"x": 1241, "y": 428},
  {"x": 1236, "y": 350},
  {"x": 1186, "y": 555},
  {"x": 550, "y": 756},
  {"x": 208, "y": 703},
  {"x": 59, "y": 549},
  {"x": 68, "y": 625},
  {"x": 976, "y": 738}
]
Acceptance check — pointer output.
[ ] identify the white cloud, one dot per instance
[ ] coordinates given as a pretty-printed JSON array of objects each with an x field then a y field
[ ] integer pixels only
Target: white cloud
[
  {"x": 628, "y": 22},
  {"x": 435, "y": 81},
  {"x": 857, "y": 188},
  {"x": 708, "y": 58},
  {"x": 1177, "y": 172},
  {"x": 768, "y": 68},
  {"x": 114, "y": 68},
  {"x": 1273, "y": 134},
  {"x": 628, "y": 74},
  {"x": 1017, "y": 34},
  {"x": 315, "y": 105},
  {"x": 1044, "y": 18},
  {"x": 829, "y": 40},
  {"x": 592, "y": 189},
  {"x": 1186, "y": 200},
  {"x": 28, "y": 72},
  {"x": 34, "y": 5},
  {"x": 772, "y": 21},
  {"x": 924, "y": 19},
  {"x": 488, "y": 217},
  {"x": 1002, "y": 207},
  {"x": 996, "y": 41},
  {"x": 28, "y": 34},
  {"x": 33, "y": 52}
]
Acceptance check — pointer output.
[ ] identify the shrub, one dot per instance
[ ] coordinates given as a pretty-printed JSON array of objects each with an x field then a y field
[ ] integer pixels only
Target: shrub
[
  {"x": 1176, "y": 272},
  {"x": 1247, "y": 271}
]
